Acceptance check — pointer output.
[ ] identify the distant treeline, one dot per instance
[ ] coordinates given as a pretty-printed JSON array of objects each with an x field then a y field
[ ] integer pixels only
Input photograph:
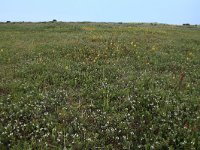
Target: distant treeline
[{"x": 138, "y": 23}]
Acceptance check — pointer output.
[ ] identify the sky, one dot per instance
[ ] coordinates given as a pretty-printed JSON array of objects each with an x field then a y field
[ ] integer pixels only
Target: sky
[{"x": 161, "y": 11}]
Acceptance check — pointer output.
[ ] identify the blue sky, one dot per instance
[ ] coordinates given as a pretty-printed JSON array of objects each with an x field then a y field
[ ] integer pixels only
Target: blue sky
[{"x": 162, "y": 11}]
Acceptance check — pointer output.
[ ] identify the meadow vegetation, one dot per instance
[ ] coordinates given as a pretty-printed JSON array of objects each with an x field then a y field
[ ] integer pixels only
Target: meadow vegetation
[{"x": 99, "y": 86}]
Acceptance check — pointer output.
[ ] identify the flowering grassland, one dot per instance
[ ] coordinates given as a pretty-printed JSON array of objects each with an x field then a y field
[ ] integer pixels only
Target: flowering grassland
[{"x": 99, "y": 86}]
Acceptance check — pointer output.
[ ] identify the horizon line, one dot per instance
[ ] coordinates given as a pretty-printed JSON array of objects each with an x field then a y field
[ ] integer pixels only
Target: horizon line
[{"x": 86, "y": 21}]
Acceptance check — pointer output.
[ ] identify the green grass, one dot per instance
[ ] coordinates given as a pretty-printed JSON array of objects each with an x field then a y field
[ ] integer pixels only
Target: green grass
[{"x": 99, "y": 85}]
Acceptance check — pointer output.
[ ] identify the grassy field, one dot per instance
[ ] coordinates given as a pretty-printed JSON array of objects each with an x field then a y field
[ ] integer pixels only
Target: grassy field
[{"x": 99, "y": 86}]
